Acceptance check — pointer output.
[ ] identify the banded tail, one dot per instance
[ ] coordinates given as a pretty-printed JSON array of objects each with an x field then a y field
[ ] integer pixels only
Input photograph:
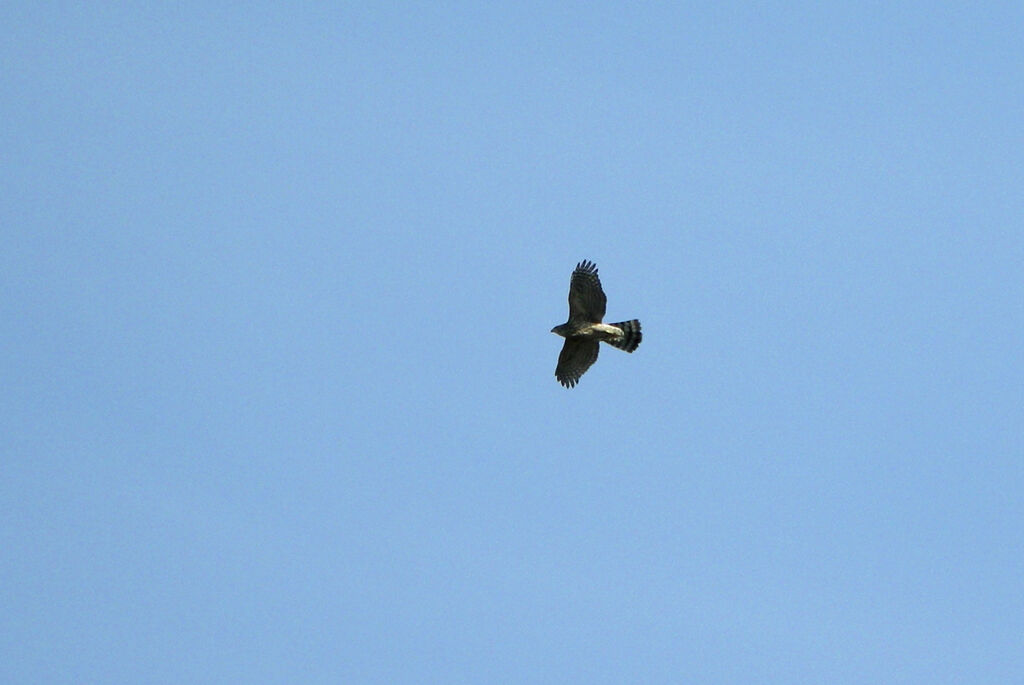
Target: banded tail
[{"x": 631, "y": 335}]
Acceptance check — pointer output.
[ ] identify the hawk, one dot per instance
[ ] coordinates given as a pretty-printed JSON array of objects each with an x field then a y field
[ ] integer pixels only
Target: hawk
[{"x": 584, "y": 330}]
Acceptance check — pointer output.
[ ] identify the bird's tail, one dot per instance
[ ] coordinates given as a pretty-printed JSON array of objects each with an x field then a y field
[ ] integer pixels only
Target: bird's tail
[{"x": 631, "y": 335}]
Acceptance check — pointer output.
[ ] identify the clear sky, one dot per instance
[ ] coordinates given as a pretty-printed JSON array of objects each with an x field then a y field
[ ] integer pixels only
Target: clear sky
[{"x": 278, "y": 404}]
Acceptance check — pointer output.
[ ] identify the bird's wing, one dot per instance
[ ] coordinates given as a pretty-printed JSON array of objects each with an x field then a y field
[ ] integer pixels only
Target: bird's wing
[
  {"x": 577, "y": 356},
  {"x": 586, "y": 298}
]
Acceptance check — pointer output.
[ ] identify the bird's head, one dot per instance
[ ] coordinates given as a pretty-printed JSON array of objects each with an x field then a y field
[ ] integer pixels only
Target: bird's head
[{"x": 560, "y": 329}]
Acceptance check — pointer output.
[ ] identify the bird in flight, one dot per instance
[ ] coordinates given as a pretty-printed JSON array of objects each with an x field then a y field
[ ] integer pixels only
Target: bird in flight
[{"x": 584, "y": 330}]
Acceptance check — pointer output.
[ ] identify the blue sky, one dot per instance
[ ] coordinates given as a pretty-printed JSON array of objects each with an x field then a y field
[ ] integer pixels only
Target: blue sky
[{"x": 278, "y": 398}]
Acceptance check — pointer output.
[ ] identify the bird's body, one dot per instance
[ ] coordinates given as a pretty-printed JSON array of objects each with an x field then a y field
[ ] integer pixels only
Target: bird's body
[
  {"x": 611, "y": 333},
  {"x": 584, "y": 330}
]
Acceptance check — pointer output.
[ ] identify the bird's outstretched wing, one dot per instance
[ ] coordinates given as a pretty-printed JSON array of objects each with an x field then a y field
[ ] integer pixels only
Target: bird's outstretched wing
[
  {"x": 577, "y": 356},
  {"x": 586, "y": 298}
]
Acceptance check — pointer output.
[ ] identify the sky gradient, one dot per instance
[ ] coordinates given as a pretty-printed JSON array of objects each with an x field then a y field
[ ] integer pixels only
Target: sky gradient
[{"x": 278, "y": 397}]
